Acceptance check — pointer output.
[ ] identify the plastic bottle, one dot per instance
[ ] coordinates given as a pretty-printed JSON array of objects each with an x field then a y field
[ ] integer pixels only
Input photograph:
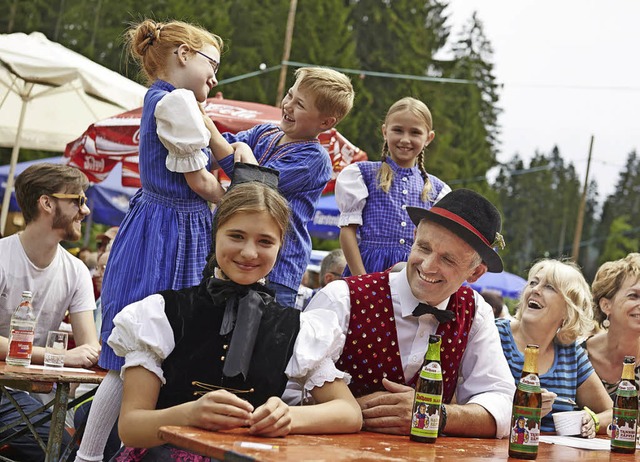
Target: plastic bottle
[{"x": 21, "y": 332}]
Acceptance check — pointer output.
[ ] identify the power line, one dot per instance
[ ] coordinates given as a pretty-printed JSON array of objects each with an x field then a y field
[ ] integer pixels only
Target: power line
[{"x": 387, "y": 74}]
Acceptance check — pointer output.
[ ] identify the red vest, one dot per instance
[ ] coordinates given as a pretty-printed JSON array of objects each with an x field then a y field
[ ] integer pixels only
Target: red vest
[{"x": 371, "y": 350}]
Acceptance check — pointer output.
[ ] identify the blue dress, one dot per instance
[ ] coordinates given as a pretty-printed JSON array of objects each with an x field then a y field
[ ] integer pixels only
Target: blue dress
[
  {"x": 164, "y": 239},
  {"x": 386, "y": 231}
]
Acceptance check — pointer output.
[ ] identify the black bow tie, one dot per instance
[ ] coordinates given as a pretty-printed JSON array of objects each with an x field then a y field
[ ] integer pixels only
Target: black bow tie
[{"x": 440, "y": 315}]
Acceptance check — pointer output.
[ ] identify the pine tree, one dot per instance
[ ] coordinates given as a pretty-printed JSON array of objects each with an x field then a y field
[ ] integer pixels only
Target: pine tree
[
  {"x": 625, "y": 199},
  {"x": 396, "y": 37},
  {"x": 470, "y": 146}
]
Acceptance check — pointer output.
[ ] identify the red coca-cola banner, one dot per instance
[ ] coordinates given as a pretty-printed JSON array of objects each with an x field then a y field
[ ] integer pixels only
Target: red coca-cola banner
[{"x": 113, "y": 140}]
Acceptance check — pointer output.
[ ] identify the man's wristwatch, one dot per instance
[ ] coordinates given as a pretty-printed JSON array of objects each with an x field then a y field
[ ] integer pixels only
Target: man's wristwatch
[{"x": 443, "y": 419}]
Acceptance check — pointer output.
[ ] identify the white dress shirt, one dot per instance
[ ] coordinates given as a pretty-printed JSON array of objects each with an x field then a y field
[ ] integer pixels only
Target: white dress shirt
[{"x": 484, "y": 378}]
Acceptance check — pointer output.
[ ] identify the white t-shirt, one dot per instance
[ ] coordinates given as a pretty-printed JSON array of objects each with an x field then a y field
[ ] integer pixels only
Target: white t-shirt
[{"x": 63, "y": 285}]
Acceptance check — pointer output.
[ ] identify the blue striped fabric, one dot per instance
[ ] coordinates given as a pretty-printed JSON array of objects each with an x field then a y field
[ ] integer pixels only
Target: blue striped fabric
[
  {"x": 305, "y": 170},
  {"x": 386, "y": 234},
  {"x": 571, "y": 367},
  {"x": 164, "y": 239}
]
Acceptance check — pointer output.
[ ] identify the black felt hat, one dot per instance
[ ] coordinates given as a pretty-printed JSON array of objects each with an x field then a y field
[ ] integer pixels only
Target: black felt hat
[
  {"x": 244, "y": 173},
  {"x": 472, "y": 218}
]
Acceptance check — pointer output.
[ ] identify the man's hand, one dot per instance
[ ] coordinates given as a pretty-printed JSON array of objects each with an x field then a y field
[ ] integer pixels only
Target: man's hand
[
  {"x": 82, "y": 356},
  {"x": 390, "y": 411}
]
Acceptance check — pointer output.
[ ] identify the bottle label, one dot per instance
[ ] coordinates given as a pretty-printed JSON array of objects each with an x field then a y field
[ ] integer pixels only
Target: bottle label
[
  {"x": 525, "y": 429},
  {"x": 426, "y": 415},
  {"x": 431, "y": 371},
  {"x": 623, "y": 428},
  {"x": 626, "y": 389},
  {"x": 529, "y": 383},
  {"x": 21, "y": 344}
]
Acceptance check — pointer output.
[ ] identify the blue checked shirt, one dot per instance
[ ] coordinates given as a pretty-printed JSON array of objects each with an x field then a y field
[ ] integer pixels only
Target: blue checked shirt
[{"x": 305, "y": 170}]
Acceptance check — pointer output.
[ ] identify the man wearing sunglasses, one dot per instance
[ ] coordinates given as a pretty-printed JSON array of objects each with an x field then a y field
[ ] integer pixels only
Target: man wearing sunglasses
[{"x": 53, "y": 204}]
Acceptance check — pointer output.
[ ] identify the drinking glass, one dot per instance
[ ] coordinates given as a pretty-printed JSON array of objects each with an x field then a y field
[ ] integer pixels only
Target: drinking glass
[{"x": 55, "y": 349}]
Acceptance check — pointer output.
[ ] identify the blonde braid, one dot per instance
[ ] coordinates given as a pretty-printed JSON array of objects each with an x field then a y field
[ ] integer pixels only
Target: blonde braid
[
  {"x": 385, "y": 174},
  {"x": 427, "y": 183}
]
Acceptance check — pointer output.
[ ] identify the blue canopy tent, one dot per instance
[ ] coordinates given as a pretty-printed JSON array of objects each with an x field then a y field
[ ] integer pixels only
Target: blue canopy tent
[
  {"x": 325, "y": 221},
  {"x": 508, "y": 284},
  {"x": 108, "y": 200}
]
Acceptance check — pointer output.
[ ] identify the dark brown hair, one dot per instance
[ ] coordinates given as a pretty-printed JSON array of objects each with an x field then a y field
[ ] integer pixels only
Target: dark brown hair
[{"x": 46, "y": 179}]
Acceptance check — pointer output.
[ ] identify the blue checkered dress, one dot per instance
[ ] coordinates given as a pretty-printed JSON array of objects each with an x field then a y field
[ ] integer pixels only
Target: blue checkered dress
[
  {"x": 386, "y": 233},
  {"x": 163, "y": 240}
]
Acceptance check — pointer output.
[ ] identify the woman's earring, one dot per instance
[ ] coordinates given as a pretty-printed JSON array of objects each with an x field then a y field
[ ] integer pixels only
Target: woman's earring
[{"x": 606, "y": 323}]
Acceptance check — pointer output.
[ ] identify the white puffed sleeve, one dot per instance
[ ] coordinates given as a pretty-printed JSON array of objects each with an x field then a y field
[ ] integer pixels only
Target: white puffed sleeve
[
  {"x": 143, "y": 335},
  {"x": 182, "y": 131},
  {"x": 318, "y": 347},
  {"x": 351, "y": 195}
]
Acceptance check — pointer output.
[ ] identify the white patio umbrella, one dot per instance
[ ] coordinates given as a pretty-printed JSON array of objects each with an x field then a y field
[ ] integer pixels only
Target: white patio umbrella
[{"x": 49, "y": 95}]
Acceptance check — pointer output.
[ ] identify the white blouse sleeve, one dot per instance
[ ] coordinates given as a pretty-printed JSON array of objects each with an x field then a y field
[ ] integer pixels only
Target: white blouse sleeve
[
  {"x": 182, "y": 131},
  {"x": 318, "y": 347},
  {"x": 351, "y": 195},
  {"x": 143, "y": 335},
  {"x": 446, "y": 189}
]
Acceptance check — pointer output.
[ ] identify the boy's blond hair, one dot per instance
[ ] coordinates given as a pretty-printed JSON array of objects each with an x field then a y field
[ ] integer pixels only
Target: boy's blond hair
[{"x": 332, "y": 90}]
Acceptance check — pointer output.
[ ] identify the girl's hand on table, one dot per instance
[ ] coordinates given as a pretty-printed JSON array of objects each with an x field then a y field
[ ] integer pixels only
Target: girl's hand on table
[
  {"x": 220, "y": 410},
  {"x": 271, "y": 419}
]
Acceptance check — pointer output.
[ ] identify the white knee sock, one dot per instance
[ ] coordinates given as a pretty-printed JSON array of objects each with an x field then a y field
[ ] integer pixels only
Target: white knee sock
[{"x": 102, "y": 416}]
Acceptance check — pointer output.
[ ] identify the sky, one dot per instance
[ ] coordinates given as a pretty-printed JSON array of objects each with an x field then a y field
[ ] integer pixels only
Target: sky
[{"x": 570, "y": 69}]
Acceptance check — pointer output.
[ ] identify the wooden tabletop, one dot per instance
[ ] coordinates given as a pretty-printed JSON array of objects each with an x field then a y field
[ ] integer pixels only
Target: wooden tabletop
[
  {"x": 237, "y": 445},
  {"x": 42, "y": 380}
]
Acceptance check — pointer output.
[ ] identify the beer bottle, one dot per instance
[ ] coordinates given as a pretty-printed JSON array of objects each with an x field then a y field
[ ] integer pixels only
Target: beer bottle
[
  {"x": 527, "y": 404},
  {"x": 21, "y": 332},
  {"x": 427, "y": 400},
  {"x": 625, "y": 410}
]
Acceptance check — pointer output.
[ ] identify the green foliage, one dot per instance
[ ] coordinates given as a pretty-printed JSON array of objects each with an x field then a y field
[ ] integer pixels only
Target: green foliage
[
  {"x": 625, "y": 200},
  {"x": 325, "y": 244},
  {"x": 468, "y": 148},
  {"x": 621, "y": 240},
  {"x": 539, "y": 209},
  {"x": 397, "y": 37},
  {"x": 539, "y": 199}
]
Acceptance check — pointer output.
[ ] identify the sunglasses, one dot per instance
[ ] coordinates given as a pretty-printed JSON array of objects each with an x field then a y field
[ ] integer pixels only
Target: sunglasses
[{"x": 81, "y": 198}]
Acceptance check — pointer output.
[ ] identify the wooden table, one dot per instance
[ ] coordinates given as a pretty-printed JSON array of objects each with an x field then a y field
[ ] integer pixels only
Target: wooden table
[
  {"x": 361, "y": 447},
  {"x": 42, "y": 381}
]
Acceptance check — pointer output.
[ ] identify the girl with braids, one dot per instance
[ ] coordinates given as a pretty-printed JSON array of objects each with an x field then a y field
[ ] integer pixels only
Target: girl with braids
[
  {"x": 373, "y": 196},
  {"x": 165, "y": 237}
]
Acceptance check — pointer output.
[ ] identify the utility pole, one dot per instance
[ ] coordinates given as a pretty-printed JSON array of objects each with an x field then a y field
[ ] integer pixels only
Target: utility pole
[
  {"x": 286, "y": 52},
  {"x": 578, "y": 235}
]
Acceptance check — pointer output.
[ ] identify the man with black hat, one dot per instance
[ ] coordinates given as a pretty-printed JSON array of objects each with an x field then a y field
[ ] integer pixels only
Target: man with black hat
[{"x": 387, "y": 318}]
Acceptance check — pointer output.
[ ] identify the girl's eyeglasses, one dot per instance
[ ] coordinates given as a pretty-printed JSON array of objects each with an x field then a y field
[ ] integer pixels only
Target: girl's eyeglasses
[
  {"x": 214, "y": 64},
  {"x": 81, "y": 198}
]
